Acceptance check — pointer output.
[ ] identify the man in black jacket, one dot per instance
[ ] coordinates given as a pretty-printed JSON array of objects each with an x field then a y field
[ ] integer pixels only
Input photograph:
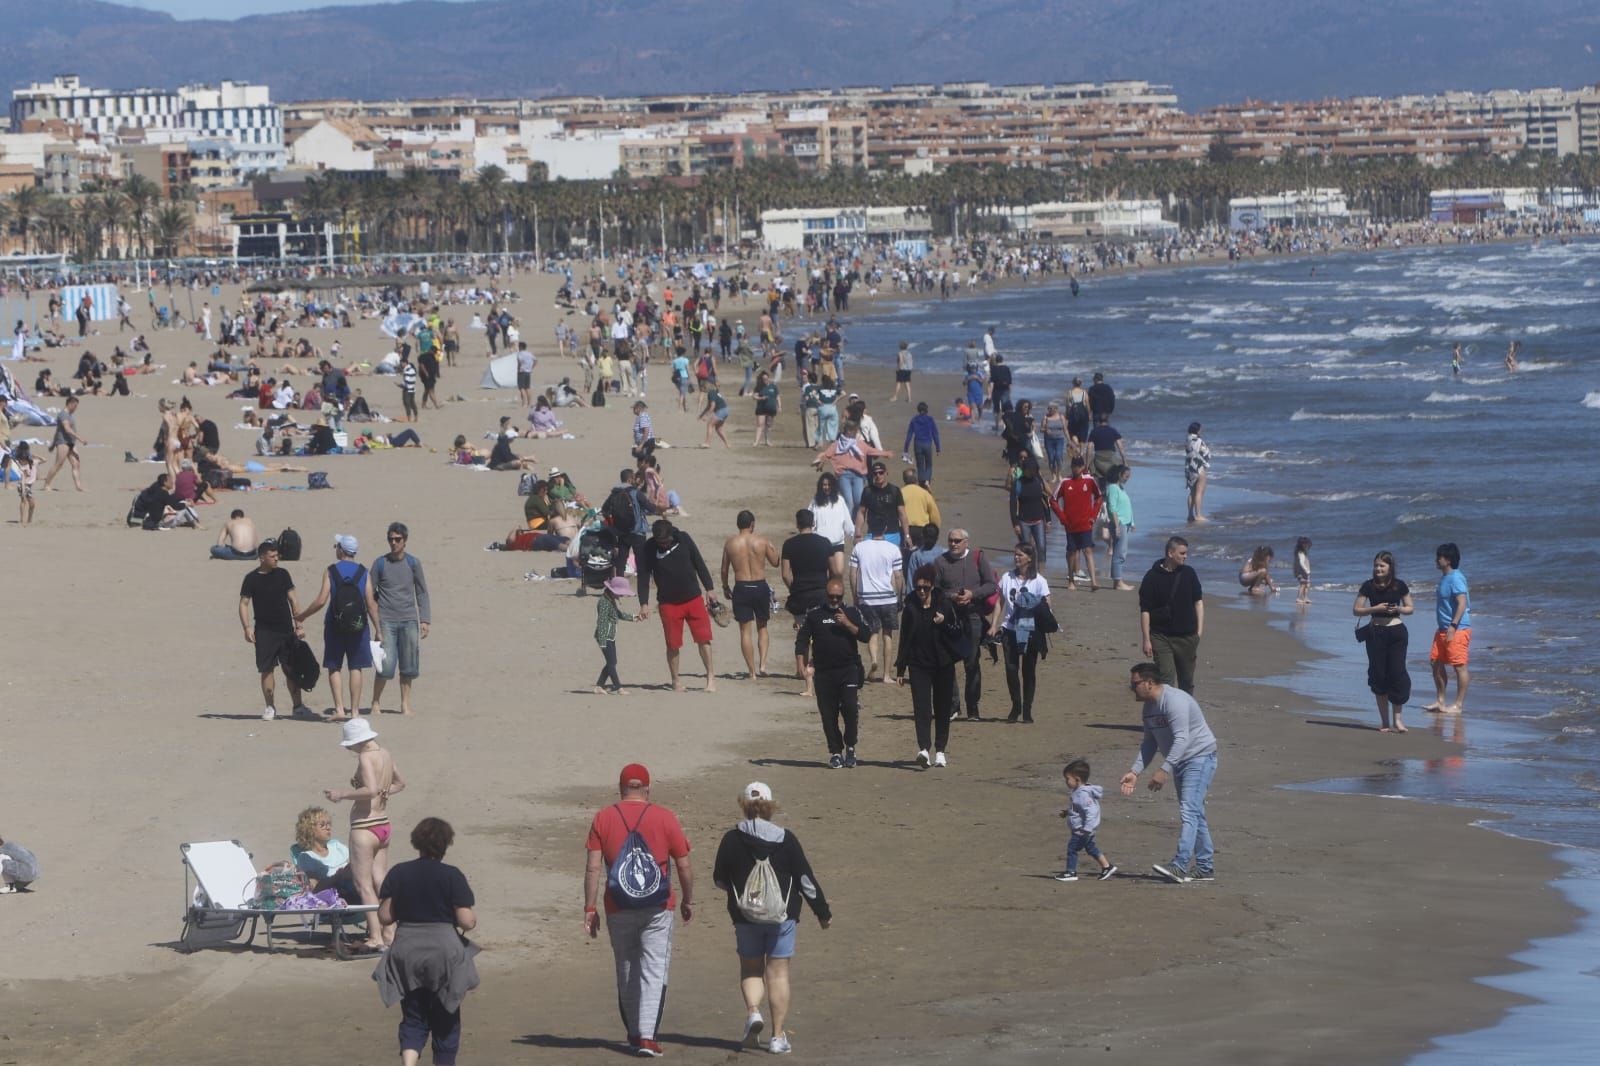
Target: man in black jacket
[
  {"x": 829, "y": 643},
  {"x": 671, "y": 559}
]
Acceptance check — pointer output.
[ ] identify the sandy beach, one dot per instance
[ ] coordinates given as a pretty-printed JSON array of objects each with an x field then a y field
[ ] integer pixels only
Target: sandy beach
[{"x": 130, "y": 724}]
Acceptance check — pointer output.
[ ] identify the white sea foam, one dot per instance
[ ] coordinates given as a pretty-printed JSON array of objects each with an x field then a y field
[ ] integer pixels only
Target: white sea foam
[
  {"x": 1592, "y": 400},
  {"x": 1293, "y": 338},
  {"x": 1476, "y": 329},
  {"x": 1533, "y": 365},
  {"x": 1548, "y": 327},
  {"x": 1302, "y": 415},
  {"x": 1383, "y": 333},
  {"x": 1413, "y": 517},
  {"x": 1332, "y": 497},
  {"x": 1460, "y": 397}
]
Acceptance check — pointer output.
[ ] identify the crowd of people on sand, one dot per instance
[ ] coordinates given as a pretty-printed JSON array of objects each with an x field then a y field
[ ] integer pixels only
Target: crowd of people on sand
[{"x": 878, "y": 592}]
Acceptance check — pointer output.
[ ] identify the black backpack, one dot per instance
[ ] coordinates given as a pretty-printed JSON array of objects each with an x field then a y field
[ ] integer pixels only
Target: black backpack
[
  {"x": 349, "y": 609},
  {"x": 598, "y": 397},
  {"x": 289, "y": 546},
  {"x": 619, "y": 510}
]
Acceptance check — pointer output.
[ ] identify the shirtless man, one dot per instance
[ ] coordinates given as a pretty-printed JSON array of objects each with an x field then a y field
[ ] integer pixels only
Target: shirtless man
[
  {"x": 375, "y": 780},
  {"x": 749, "y": 554},
  {"x": 237, "y": 541}
]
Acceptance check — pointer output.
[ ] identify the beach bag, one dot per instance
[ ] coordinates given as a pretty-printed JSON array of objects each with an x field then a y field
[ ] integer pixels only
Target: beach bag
[
  {"x": 301, "y": 666},
  {"x": 598, "y": 397},
  {"x": 525, "y": 483},
  {"x": 762, "y": 899},
  {"x": 317, "y": 479},
  {"x": 289, "y": 546},
  {"x": 275, "y": 886},
  {"x": 349, "y": 610},
  {"x": 635, "y": 880}
]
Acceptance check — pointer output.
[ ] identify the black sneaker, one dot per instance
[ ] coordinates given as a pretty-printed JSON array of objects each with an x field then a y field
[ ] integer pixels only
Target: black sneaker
[
  {"x": 1203, "y": 875},
  {"x": 836, "y": 761},
  {"x": 849, "y": 758},
  {"x": 1108, "y": 873}
]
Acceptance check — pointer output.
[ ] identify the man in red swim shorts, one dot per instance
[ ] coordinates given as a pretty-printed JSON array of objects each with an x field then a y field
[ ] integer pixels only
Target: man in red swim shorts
[{"x": 684, "y": 589}]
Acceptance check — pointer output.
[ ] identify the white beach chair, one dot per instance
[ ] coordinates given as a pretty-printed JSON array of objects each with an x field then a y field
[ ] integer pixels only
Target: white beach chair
[{"x": 218, "y": 883}]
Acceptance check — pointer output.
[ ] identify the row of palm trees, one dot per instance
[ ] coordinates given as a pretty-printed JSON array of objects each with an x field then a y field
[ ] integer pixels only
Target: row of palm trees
[
  {"x": 122, "y": 221},
  {"x": 434, "y": 212}
]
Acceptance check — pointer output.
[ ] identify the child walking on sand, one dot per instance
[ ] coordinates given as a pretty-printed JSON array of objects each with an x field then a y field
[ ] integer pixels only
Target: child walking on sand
[
  {"x": 27, "y": 465},
  {"x": 607, "y": 612},
  {"x": 1302, "y": 568},
  {"x": 1083, "y": 816}
]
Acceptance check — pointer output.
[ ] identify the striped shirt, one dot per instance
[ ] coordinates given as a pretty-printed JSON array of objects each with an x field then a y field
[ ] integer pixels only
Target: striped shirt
[
  {"x": 642, "y": 428},
  {"x": 408, "y": 378}
]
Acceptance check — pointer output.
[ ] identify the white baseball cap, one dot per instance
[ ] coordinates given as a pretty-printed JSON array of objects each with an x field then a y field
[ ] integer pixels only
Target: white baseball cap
[
  {"x": 758, "y": 790},
  {"x": 347, "y": 544}
]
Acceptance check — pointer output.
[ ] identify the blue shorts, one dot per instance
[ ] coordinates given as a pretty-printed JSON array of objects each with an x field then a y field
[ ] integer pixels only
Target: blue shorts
[
  {"x": 765, "y": 941},
  {"x": 1077, "y": 542},
  {"x": 341, "y": 648}
]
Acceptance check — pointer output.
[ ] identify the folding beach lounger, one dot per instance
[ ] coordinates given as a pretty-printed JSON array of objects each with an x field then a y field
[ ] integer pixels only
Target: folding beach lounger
[{"x": 225, "y": 877}]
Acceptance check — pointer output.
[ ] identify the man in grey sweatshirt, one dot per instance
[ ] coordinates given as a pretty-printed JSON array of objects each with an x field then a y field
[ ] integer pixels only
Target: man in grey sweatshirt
[
  {"x": 1176, "y": 729},
  {"x": 397, "y": 596},
  {"x": 968, "y": 582}
]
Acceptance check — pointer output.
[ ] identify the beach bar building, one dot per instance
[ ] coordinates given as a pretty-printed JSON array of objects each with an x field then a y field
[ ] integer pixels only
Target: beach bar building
[
  {"x": 1301, "y": 209},
  {"x": 1471, "y": 206},
  {"x": 827, "y": 227},
  {"x": 1091, "y": 219}
]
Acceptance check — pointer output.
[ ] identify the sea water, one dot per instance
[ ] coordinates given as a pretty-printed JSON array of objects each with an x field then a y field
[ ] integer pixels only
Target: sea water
[{"x": 1327, "y": 395}]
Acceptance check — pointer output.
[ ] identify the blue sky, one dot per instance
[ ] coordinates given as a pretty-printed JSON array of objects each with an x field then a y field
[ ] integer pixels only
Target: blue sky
[{"x": 190, "y": 9}]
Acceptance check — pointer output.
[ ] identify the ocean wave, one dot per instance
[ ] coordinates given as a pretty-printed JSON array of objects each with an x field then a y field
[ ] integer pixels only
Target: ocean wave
[
  {"x": 1383, "y": 333},
  {"x": 1477, "y": 329},
  {"x": 1331, "y": 497},
  {"x": 1460, "y": 397},
  {"x": 1412, "y": 517},
  {"x": 1302, "y": 415},
  {"x": 1293, "y": 338},
  {"x": 1548, "y": 327},
  {"x": 1538, "y": 364},
  {"x": 1592, "y": 400}
]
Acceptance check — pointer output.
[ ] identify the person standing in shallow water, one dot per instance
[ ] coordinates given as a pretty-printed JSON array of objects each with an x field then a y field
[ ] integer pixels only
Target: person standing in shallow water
[
  {"x": 1452, "y": 642},
  {"x": 1385, "y": 601},
  {"x": 1196, "y": 463}
]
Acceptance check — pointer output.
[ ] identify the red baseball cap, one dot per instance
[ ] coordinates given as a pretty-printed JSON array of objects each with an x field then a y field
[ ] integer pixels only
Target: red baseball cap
[{"x": 634, "y": 775}]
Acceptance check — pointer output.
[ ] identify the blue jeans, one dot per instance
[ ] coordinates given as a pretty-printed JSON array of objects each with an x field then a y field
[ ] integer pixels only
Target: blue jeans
[
  {"x": 1193, "y": 779},
  {"x": 401, "y": 649},
  {"x": 1077, "y": 842},
  {"x": 1036, "y": 532},
  {"x": 850, "y": 485},
  {"x": 1119, "y": 550},
  {"x": 924, "y": 456},
  {"x": 1055, "y": 452},
  {"x": 827, "y": 423}
]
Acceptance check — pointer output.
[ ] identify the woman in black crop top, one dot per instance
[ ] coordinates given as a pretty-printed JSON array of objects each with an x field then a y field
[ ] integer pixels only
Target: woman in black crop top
[{"x": 1385, "y": 600}]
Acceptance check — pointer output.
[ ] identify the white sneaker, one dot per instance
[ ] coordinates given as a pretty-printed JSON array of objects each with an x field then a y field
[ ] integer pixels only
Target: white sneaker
[
  {"x": 922, "y": 758},
  {"x": 938, "y": 759},
  {"x": 268, "y": 714},
  {"x": 752, "y": 1029},
  {"x": 779, "y": 1045}
]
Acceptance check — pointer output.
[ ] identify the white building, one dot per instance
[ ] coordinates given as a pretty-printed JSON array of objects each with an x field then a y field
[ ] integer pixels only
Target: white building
[
  {"x": 1091, "y": 218},
  {"x": 336, "y": 144},
  {"x": 586, "y": 155},
  {"x": 822, "y": 227},
  {"x": 238, "y": 112},
  {"x": 1300, "y": 209}
]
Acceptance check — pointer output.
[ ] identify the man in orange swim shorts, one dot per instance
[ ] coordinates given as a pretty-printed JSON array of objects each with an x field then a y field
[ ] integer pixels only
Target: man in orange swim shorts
[
  {"x": 671, "y": 559},
  {"x": 1453, "y": 640}
]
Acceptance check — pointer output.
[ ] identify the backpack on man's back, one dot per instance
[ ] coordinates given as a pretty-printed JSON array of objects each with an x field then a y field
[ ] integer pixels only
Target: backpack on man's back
[{"x": 349, "y": 608}]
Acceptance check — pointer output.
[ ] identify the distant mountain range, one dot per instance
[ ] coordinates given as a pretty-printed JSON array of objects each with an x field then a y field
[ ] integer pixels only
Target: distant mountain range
[{"x": 1211, "y": 51}]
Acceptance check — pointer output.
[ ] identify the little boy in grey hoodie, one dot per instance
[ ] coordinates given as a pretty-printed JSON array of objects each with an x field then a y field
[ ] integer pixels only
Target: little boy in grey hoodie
[{"x": 1083, "y": 816}]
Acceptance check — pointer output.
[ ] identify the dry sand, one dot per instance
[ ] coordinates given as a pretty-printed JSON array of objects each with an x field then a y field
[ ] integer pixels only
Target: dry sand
[{"x": 129, "y": 724}]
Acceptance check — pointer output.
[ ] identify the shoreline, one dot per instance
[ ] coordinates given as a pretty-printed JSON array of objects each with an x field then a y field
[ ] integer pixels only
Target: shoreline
[{"x": 938, "y": 927}]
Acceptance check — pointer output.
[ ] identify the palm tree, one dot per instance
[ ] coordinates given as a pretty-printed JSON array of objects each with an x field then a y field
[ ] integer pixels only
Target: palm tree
[
  {"x": 141, "y": 194},
  {"x": 173, "y": 223}
]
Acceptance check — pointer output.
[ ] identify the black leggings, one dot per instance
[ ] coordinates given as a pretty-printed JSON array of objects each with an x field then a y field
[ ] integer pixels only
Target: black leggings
[
  {"x": 610, "y": 668},
  {"x": 1026, "y": 661},
  {"x": 1386, "y": 663},
  {"x": 932, "y": 688}
]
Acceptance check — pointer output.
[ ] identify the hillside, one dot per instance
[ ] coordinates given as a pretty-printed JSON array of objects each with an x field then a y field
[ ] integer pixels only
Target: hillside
[{"x": 1212, "y": 51}]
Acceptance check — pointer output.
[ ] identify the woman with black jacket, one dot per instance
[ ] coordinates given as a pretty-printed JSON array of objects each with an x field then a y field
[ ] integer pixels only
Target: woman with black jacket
[
  {"x": 930, "y": 638},
  {"x": 765, "y": 948}
]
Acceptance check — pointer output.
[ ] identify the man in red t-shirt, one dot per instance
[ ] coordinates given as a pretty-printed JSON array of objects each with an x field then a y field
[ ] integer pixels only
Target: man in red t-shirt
[
  {"x": 1077, "y": 501},
  {"x": 641, "y": 937}
]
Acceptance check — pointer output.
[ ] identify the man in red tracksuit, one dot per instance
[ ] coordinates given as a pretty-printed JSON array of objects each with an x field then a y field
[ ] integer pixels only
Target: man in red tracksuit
[{"x": 1077, "y": 501}]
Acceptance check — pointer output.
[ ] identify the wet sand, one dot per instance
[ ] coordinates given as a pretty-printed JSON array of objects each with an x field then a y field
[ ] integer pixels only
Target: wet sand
[{"x": 129, "y": 726}]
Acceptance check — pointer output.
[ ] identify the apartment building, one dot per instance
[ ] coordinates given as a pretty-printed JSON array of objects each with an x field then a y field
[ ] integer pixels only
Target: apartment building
[{"x": 1552, "y": 121}]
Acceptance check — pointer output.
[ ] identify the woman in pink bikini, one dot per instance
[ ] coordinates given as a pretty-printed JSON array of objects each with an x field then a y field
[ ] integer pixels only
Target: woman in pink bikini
[{"x": 375, "y": 780}]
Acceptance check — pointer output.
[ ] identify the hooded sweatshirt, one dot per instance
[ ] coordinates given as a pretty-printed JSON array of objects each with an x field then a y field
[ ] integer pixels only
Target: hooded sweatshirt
[
  {"x": 1084, "y": 816},
  {"x": 754, "y": 839}
]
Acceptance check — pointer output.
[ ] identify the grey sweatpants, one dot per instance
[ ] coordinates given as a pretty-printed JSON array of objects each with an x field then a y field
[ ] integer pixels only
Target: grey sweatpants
[{"x": 641, "y": 940}]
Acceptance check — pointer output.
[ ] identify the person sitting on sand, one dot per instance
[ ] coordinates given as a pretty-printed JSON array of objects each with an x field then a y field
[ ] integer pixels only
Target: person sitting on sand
[
  {"x": 502, "y": 457},
  {"x": 19, "y": 868},
  {"x": 466, "y": 454},
  {"x": 158, "y": 499},
  {"x": 542, "y": 420},
  {"x": 564, "y": 395},
  {"x": 562, "y": 488},
  {"x": 1256, "y": 575},
  {"x": 238, "y": 539}
]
